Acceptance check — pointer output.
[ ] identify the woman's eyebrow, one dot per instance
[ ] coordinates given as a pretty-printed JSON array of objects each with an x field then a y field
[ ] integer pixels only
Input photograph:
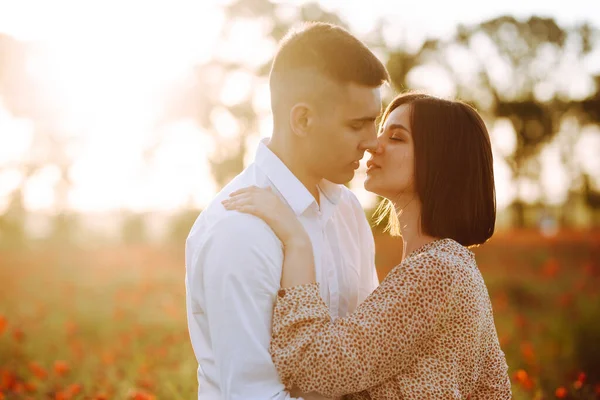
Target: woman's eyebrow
[{"x": 398, "y": 126}]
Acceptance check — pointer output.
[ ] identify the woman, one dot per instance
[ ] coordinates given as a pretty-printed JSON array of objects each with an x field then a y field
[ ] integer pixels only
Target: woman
[{"x": 428, "y": 330}]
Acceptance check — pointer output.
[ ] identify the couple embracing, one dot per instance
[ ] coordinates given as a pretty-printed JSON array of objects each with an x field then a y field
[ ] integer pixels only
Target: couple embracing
[{"x": 283, "y": 299}]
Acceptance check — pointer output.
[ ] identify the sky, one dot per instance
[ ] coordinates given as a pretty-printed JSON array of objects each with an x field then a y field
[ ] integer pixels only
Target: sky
[{"x": 111, "y": 106}]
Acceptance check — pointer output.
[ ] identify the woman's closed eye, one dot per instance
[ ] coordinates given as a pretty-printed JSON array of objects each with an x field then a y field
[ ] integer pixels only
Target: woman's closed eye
[{"x": 397, "y": 138}]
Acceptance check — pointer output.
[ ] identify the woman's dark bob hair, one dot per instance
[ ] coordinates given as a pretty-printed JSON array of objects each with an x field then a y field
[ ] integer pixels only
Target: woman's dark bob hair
[{"x": 454, "y": 174}]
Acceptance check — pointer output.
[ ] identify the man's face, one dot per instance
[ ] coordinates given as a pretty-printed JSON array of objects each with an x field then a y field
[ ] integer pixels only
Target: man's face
[{"x": 341, "y": 131}]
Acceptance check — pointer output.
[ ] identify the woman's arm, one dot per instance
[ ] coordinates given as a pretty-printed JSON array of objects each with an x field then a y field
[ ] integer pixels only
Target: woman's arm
[
  {"x": 375, "y": 343},
  {"x": 494, "y": 382},
  {"x": 350, "y": 354},
  {"x": 298, "y": 263}
]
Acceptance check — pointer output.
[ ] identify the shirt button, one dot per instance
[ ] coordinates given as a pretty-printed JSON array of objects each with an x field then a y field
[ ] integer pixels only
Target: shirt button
[{"x": 281, "y": 292}]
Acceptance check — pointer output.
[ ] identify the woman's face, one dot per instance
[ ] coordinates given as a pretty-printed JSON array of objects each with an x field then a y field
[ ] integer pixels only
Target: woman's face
[{"x": 390, "y": 172}]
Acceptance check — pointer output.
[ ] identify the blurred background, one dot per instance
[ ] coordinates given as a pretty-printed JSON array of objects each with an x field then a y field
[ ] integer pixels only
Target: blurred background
[{"x": 119, "y": 120}]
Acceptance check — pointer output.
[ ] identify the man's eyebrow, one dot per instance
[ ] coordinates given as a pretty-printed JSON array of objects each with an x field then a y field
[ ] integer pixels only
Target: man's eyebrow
[{"x": 364, "y": 119}]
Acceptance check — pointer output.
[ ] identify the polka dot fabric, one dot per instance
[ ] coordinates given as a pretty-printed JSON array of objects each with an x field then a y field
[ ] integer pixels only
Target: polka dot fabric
[{"x": 427, "y": 332}]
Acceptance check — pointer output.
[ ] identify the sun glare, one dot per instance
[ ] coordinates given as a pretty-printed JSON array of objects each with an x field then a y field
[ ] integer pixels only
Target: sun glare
[{"x": 104, "y": 69}]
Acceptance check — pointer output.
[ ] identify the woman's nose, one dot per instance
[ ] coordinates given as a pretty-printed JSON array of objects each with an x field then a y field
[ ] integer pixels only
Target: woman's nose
[{"x": 377, "y": 149}]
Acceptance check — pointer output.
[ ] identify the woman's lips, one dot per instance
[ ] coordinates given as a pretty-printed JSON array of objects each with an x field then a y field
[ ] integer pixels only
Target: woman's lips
[{"x": 371, "y": 165}]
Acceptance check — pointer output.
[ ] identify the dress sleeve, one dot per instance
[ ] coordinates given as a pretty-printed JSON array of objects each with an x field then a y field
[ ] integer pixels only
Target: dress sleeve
[{"x": 368, "y": 347}]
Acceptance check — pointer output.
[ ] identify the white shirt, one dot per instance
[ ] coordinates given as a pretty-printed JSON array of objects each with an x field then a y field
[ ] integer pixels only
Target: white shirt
[{"x": 233, "y": 273}]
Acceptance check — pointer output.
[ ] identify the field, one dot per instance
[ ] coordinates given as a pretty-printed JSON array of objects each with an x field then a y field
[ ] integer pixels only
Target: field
[{"x": 109, "y": 323}]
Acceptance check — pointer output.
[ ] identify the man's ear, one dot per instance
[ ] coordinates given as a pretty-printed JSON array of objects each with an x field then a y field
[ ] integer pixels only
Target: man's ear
[{"x": 301, "y": 119}]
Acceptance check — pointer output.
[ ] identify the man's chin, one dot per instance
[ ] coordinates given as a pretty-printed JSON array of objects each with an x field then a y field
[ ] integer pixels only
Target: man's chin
[{"x": 342, "y": 179}]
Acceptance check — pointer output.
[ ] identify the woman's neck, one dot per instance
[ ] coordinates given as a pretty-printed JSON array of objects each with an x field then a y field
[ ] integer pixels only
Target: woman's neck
[{"x": 413, "y": 238}]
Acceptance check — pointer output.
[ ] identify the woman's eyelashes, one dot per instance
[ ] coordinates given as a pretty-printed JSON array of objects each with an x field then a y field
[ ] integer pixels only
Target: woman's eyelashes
[{"x": 392, "y": 134}]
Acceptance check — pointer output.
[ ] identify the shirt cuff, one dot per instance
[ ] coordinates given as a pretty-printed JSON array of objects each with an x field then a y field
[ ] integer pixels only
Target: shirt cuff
[
  {"x": 298, "y": 304},
  {"x": 299, "y": 290}
]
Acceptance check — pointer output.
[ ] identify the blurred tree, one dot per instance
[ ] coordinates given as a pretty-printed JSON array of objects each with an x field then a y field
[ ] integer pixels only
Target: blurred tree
[
  {"x": 12, "y": 63},
  {"x": 592, "y": 198},
  {"x": 514, "y": 70},
  {"x": 205, "y": 98},
  {"x": 133, "y": 228},
  {"x": 507, "y": 68},
  {"x": 180, "y": 225},
  {"x": 66, "y": 229},
  {"x": 49, "y": 146}
]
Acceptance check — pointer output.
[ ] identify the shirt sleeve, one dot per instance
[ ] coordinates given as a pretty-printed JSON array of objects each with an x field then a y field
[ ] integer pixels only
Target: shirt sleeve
[
  {"x": 241, "y": 271},
  {"x": 366, "y": 348}
]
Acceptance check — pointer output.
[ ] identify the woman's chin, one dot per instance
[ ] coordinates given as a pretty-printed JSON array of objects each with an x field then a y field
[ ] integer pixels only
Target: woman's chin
[{"x": 370, "y": 186}]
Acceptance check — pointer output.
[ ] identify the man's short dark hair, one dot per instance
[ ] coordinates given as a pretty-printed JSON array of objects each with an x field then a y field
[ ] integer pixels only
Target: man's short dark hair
[
  {"x": 332, "y": 51},
  {"x": 318, "y": 50}
]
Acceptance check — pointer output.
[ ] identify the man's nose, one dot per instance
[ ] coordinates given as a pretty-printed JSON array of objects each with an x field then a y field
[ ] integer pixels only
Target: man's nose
[{"x": 370, "y": 143}]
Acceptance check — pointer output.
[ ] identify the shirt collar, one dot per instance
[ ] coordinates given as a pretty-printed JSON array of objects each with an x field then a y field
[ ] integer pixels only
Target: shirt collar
[
  {"x": 332, "y": 191},
  {"x": 290, "y": 187}
]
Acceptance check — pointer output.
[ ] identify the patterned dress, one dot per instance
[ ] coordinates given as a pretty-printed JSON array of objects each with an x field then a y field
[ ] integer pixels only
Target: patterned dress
[{"x": 427, "y": 332}]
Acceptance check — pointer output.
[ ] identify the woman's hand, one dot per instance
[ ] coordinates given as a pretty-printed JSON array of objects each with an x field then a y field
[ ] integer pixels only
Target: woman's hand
[
  {"x": 299, "y": 263},
  {"x": 266, "y": 205}
]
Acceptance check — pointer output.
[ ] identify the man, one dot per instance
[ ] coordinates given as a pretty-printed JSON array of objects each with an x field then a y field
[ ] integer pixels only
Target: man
[{"x": 325, "y": 98}]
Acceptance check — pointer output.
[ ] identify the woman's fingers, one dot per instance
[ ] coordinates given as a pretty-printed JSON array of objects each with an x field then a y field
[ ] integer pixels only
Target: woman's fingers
[
  {"x": 240, "y": 197},
  {"x": 250, "y": 193},
  {"x": 247, "y": 208},
  {"x": 243, "y": 208},
  {"x": 238, "y": 192},
  {"x": 251, "y": 189},
  {"x": 245, "y": 202},
  {"x": 247, "y": 189},
  {"x": 252, "y": 200},
  {"x": 236, "y": 200}
]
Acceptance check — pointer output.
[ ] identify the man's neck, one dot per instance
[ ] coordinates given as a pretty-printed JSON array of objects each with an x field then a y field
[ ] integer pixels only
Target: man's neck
[{"x": 296, "y": 166}]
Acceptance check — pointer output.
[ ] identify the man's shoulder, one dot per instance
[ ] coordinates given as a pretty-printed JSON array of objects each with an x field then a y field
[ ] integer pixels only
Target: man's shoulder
[
  {"x": 236, "y": 224},
  {"x": 224, "y": 225},
  {"x": 237, "y": 238},
  {"x": 214, "y": 213},
  {"x": 217, "y": 223}
]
